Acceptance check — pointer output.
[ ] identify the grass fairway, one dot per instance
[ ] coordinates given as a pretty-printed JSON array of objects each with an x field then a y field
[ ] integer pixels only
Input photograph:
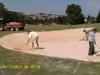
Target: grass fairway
[
  {"x": 60, "y": 27},
  {"x": 17, "y": 63}
]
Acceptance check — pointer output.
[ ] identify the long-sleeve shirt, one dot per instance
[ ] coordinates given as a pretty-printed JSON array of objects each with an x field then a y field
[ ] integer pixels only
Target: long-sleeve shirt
[{"x": 91, "y": 37}]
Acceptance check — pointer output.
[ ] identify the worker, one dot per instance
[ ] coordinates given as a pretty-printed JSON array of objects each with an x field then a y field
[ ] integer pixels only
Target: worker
[
  {"x": 87, "y": 34},
  {"x": 92, "y": 41},
  {"x": 33, "y": 37}
]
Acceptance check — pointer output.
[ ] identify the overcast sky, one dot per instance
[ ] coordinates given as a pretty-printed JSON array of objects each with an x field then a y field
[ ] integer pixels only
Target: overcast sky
[{"x": 89, "y": 7}]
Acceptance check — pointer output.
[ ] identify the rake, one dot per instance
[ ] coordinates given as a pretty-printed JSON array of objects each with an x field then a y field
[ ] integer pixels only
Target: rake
[
  {"x": 82, "y": 39},
  {"x": 19, "y": 48},
  {"x": 97, "y": 47}
]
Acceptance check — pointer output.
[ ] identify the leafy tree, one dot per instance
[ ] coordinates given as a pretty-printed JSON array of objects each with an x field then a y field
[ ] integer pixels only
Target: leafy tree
[
  {"x": 91, "y": 19},
  {"x": 62, "y": 20},
  {"x": 12, "y": 16},
  {"x": 28, "y": 19},
  {"x": 88, "y": 18},
  {"x": 2, "y": 5},
  {"x": 21, "y": 17},
  {"x": 3, "y": 12},
  {"x": 50, "y": 20},
  {"x": 74, "y": 14},
  {"x": 98, "y": 17}
]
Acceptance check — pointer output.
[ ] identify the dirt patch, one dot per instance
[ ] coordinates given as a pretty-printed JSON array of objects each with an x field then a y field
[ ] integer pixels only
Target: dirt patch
[{"x": 63, "y": 44}]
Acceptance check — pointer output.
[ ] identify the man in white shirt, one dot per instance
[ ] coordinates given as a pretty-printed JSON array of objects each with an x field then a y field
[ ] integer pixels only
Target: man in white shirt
[
  {"x": 92, "y": 41},
  {"x": 33, "y": 36}
]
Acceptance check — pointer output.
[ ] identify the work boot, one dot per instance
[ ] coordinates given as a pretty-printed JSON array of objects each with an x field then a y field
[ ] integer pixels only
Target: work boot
[{"x": 32, "y": 48}]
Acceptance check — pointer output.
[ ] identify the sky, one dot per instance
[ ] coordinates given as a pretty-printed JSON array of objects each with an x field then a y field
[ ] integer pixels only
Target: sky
[{"x": 88, "y": 7}]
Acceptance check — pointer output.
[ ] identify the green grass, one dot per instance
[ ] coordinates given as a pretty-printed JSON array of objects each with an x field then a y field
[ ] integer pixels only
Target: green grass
[
  {"x": 59, "y": 27},
  {"x": 48, "y": 65}
]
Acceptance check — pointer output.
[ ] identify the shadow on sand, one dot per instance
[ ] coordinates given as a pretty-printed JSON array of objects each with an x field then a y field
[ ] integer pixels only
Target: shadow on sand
[{"x": 40, "y": 48}]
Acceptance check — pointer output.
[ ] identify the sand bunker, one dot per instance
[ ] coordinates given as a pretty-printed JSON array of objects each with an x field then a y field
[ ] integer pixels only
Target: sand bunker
[{"x": 62, "y": 44}]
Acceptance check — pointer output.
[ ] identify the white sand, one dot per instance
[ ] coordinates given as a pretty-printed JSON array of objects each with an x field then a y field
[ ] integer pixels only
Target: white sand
[{"x": 62, "y": 44}]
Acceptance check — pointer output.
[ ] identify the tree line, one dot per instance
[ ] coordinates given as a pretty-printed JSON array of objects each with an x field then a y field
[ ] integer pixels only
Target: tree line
[
  {"x": 73, "y": 16},
  {"x": 12, "y": 16}
]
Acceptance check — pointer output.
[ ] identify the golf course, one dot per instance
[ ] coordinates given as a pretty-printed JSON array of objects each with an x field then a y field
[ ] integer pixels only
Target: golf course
[{"x": 52, "y": 57}]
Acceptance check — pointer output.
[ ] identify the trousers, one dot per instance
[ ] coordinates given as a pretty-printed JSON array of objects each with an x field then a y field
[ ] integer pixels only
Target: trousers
[{"x": 91, "y": 48}]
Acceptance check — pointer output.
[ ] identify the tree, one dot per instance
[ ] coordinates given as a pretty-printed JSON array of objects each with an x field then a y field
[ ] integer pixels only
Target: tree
[
  {"x": 12, "y": 16},
  {"x": 24, "y": 18},
  {"x": 88, "y": 18},
  {"x": 91, "y": 19},
  {"x": 74, "y": 14},
  {"x": 21, "y": 17},
  {"x": 62, "y": 20},
  {"x": 2, "y": 5},
  {"x": 98, "y": 17},
  {"x": 28, "y": 19},
  {"x": 3, "y": 12}
]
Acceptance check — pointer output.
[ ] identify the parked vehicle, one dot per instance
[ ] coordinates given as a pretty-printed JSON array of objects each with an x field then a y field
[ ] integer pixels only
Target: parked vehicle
[
  {"x": 15, "y": 26},
  {"x": 1, "y": 25}
]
